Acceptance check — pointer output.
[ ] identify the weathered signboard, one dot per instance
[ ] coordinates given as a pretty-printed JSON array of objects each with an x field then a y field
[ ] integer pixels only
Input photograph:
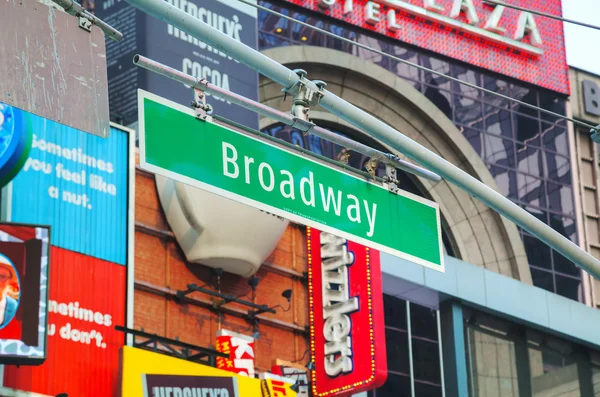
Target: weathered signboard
[{"x": 53, "y": 68}]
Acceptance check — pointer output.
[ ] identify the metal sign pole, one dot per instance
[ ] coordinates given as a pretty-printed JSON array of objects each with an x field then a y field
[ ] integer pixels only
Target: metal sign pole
[
  {"x": 287, "y": 78},
  {"x": 285, "y": 118}
]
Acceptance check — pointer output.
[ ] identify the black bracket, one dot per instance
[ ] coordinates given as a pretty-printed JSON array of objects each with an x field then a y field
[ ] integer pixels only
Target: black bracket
[
  {"x": 179, "y": 349},
  {"x": 225, "y": 298}
]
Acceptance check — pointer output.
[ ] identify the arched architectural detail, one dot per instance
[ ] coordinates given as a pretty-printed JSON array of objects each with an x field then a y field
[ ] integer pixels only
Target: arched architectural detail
[{"x": 481, "y": 236}]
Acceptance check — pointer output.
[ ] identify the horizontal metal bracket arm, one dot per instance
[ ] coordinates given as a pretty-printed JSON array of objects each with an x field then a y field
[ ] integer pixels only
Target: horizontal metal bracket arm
[{"x": 86, "y": 19}]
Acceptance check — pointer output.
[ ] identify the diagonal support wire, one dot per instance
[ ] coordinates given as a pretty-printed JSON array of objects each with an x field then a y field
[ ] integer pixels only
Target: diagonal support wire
[{"x": 372, "y": 126}]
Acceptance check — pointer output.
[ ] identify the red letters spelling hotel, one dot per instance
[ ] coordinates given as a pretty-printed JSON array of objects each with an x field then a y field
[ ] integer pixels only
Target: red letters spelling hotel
[{"x": 347, "y": 330}]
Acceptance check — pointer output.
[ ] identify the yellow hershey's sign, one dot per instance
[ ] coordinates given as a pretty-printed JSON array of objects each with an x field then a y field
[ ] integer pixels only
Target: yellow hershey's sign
[
  {"x": 143, "y": 371},
  {"x": 148, "y": 374}
]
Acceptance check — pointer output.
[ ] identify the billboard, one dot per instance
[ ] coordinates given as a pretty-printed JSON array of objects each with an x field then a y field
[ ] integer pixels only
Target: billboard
[
  {"x": 297, "y": 373},
  {"x": 80, "y": 185},
  {"x": 86, "y": 301},
  {"x": 241, "y": 352},
  {"x": 24, "y": 264},
  {"x": 514, "y": 43},
  {"x": 347, "y": 326},
  {"x": 160, "y": 370},
  {"x": 40, "y": 75},
  {"x": 162, "y": 42}
]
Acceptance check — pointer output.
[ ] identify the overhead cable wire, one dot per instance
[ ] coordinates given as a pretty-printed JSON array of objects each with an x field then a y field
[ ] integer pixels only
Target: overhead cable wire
[
  {"x": 543, "y": 14},
  {"x": 424, "y": 68}
]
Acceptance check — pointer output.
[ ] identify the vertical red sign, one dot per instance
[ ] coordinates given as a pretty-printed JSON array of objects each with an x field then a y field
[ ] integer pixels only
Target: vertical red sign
[
  {"x": 241, "y": 352},
  {"x": 347, "y": 328}
]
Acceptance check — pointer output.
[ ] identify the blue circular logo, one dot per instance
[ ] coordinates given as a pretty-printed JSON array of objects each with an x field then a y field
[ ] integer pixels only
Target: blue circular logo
[{"x": 15, "y": 142}]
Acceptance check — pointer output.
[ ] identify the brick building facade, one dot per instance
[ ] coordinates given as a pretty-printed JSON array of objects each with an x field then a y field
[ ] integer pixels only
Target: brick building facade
[{"x": 161, "y": 270}]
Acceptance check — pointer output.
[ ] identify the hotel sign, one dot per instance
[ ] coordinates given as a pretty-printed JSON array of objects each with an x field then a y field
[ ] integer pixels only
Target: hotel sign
[
  {"x": 347, "y": 327},
  {"x": 501, "y": 39},
  {"x": 434, "y": 12}
]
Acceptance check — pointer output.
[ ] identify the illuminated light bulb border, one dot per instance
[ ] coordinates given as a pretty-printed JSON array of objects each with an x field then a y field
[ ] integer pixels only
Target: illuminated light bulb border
[{"x": 312, "y": 321}]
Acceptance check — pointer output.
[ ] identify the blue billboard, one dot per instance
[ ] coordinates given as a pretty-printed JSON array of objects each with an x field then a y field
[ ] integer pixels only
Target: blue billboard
[{"x": 78, "y": 184}]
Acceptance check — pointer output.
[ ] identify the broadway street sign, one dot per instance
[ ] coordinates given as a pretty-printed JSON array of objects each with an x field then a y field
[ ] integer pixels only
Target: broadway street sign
[{"x": 276, "y": 179}]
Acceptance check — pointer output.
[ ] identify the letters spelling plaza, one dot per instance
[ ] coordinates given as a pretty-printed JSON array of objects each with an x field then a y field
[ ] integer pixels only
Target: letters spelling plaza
[{"x": 197, "y": 258}]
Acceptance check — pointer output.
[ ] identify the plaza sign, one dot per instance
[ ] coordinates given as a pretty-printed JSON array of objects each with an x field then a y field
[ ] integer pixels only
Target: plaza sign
[
  {"x": 271, "y": 177},
  {"x": 501, "y": 39},
  {"x": 434, "y": 12}
]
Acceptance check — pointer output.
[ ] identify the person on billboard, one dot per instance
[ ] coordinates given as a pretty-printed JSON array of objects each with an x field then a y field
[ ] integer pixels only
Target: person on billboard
[{"x": 9, "y": 291}]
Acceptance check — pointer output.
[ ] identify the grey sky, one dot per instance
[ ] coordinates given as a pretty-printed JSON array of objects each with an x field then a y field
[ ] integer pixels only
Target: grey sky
[{"x": 583, "y": 44}]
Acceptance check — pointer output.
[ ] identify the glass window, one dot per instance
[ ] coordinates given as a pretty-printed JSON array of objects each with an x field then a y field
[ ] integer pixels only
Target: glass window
[
  {"x": 596, "y": 380},
  {"x": 424, "y": 389},
  {"x": 560, "y": 198},
  {"x": 397, "y": 351},
  {"x": 468, "y": 112},
  {"x": 530, "y": 161},
  {"x": 424, "y": 342},
  {"x": 532, "y": 190},
  {"x": 338, "y": 44},
  {"x": 395, "y": 312},
  {"x": 555, "y": 138},
  {"x": 506, "y": 180},
  {"x": 423, "y": 322},
  {"x": 306, "y": 36},
  {"x": 492, "y": 365},
  {"x": 538, "y": 253},
  {"x": 499, "y": 151},
  {"x": 565, "y": 266},
  {"x": 468, "y": 75},
  {"x": 395, "y": 385},
  {"x": 426, "y": 361},
  {"x": 498, "y": 121},
  {"x": 498, "y": 86},
  {"x": 474, "y": 137},
  {"x": 402, "y": 69},
  {"x": 527, "y": 129},
  {"x": 552, "y": 375},
  {"x": 569, "y": 287},
  {"x": 558, "y": 167},
  {"x": 543, "y": 279},
  {"x": 440, "y": 98},
  {"x": 439, "y": 66}
]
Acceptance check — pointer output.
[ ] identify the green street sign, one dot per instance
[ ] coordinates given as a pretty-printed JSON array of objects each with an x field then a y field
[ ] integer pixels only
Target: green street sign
[{"x": 268, "y": 176}]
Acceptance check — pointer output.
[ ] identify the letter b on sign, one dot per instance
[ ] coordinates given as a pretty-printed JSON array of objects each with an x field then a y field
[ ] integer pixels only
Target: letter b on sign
[{"x": 591, "y": 97}]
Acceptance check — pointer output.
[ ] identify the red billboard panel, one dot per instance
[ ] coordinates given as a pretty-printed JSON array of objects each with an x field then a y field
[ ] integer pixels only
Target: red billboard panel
[
  {"x": 512, "y": 42},
  {"x": 86, "y": 301},
  {"x": 347, "y": 327}
]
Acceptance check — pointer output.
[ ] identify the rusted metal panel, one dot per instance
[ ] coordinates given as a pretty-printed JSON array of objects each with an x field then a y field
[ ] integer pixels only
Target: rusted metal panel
[{"x": 51, "y": 67}]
